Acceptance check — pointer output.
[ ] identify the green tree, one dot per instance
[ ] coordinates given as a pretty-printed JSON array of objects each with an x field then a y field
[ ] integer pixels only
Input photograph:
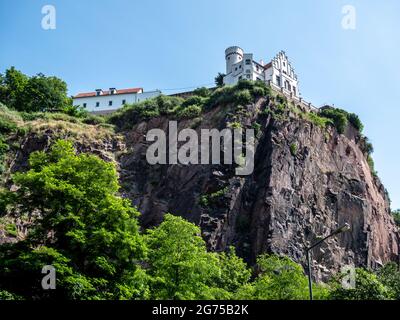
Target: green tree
[
  {"x": 43, "y": 93},
  {"x": 234, "y": 271},
  {"x": 389, "y": 275},
  {"x": 367, "y": 287},
  {"x": 12, "y": 86},
  {"x": 219, "y": 79},
  {"x": 179, "y": 264},
  {"x": 33, "y": 94},
  {"x": 80, "y": 226},
  {"x": 280, "y": 278}
]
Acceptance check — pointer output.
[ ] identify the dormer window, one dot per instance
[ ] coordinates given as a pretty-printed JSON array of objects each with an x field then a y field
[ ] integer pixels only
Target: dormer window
[
  {"x": 113, "y": 91},
  {"x": 98, "y": 92}
]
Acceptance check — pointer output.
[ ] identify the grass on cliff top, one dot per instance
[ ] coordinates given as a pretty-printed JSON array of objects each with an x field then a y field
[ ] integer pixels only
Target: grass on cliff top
[
  {"x": 202, "y": 100},
  {"x": 87, "y": 127}
]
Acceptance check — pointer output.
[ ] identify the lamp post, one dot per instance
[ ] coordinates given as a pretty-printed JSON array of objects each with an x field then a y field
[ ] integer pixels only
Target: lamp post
[{"x": 343, "y": 228}]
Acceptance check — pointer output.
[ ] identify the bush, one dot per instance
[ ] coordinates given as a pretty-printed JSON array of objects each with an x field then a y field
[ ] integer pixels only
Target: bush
[
  {"x": 243, "y": 97},
  {"x": 94, "y": 119},
  {"x": 202, "y": 92},
  {"x": 293, "y": 149},
  {"x": 337, "y": 116},
  {"x": 355, "y": 121},
  {"x": 191, "y": 111},
  {"x": 371, "y": 165}
]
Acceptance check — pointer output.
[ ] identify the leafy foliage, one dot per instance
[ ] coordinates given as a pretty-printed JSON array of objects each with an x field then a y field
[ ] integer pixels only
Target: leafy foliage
[
  {"x": 280, "y": 279},
  {"x": 180, "y": 266},
  {"x": 33, "y": 94},
  {"x": 219, "y": 79},
  {"x": 367, "y": 287},
  {"x": 396, "y": 216},
  {"x": 389, "y": 276},
  {"x": 81, "y": 226}
]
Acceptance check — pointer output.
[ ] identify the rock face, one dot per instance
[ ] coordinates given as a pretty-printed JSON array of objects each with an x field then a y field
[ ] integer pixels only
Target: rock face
[
  {"x": 290, "y": 200},
  {"x": 307, "y": 181}
]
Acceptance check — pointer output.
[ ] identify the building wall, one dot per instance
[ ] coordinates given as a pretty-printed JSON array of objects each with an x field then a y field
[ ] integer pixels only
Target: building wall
[
  {"x": 117, "y": 100},
  {"x": 247, "y": 68}
]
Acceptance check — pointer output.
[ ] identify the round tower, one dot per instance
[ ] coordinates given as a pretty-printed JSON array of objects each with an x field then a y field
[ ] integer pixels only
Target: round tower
[{"x": 232, "y": 55}]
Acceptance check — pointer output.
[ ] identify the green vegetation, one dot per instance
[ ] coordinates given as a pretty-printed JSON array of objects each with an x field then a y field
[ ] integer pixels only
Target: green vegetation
[
  {"x": 202, "y": 99},
  {"x": 82, "y": 226},
  {"x": 341, "y": 118},
  {"x": 293, "y": 149},
  {"x": 90, "y": 234},
  {"x": 280, "y": 279},
  {"x": 219, "y": 79},
  {"x": 95, "y": 242},
  {"x": 32, "y": 94},
  {"x": 396, "y": 216},
  {"x": 367, "y": 287},
  {"x": 213, "y": 198}
]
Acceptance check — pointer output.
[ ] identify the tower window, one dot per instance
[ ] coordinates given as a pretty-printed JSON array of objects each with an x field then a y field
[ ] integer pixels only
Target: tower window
[{"x": 248, "y": 61}]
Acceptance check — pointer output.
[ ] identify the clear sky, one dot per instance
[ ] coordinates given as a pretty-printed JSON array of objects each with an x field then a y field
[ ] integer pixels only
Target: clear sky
[{"x": 169, "y": 44}]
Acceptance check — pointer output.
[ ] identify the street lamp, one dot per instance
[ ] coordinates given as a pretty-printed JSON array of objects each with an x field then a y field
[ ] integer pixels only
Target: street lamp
[{"x": 343, "y": 228}]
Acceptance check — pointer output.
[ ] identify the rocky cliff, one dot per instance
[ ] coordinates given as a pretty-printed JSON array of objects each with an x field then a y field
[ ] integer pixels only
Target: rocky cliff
[{"x": 308, "y": 180}]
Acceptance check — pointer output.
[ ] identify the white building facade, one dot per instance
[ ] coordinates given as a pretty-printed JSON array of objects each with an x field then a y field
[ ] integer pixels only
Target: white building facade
[
  {"x": 279, "y": 70},
  {"x": 105, "y": 101}
]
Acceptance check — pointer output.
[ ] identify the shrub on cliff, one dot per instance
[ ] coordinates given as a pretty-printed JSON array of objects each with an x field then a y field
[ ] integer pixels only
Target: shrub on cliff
[{"x": 337, "y": 116}]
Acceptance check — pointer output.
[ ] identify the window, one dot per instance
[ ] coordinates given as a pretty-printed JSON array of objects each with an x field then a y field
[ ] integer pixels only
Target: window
[
  {"x": 97, "y": 104},
  {"x": 110, "y": 103},
  {"x": 240, "y": 67},
  {"x": 240, "y": 78},
  {"x": 236, "y": 69},
  {"x": 248, "y": 71},
  {"x": 248, "y": 76},
  {"x": 278, "y": 80},
  {"x": 294, "y": 90},
  {"x": 123, "y": 101},
  {"x": 248, "y": 61},
  {"x": 84, "y": 105}
]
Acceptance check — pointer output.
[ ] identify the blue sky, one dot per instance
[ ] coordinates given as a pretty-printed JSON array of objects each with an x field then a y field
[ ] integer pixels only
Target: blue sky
[{"x": 180, "y": 43}]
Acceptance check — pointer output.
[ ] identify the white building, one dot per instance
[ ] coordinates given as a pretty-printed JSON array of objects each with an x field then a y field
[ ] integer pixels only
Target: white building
[
  {"x": 279, "y": 71},
  {"x": 105, "y": 101}
]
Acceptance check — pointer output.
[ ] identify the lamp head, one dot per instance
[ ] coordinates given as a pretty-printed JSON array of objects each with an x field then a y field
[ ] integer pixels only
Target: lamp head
[{"x": 343, "y": 228}]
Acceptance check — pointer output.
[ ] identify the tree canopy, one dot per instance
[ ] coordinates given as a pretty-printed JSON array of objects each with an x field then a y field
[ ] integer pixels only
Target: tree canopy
[{"x": 38, "y": 93}]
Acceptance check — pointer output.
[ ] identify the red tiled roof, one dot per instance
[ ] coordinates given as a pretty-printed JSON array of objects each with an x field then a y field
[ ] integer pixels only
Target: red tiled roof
[
  {"x": 107, "y": 92},
  {"x": 268, "y": 65}
]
